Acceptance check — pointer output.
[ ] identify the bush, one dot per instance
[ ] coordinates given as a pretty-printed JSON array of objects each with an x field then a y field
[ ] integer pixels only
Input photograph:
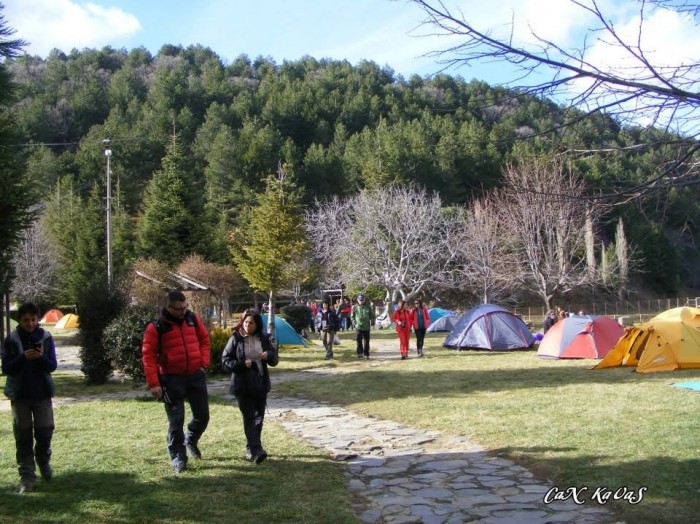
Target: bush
[
  {"x": 97, "y": 305},
  {"x": 297, "y": 315},
  {"x": 218, "y": 338},
  {"x": 122, "y": 339}
]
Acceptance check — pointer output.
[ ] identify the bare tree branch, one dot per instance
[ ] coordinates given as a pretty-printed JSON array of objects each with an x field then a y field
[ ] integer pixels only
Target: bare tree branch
[{"x": 640, "y": 90}]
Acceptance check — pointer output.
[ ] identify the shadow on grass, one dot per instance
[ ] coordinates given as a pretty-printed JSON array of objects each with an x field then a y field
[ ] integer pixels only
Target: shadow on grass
[
  {"x": 213, "y": 490},
  {"x": 605, "y": 482}
]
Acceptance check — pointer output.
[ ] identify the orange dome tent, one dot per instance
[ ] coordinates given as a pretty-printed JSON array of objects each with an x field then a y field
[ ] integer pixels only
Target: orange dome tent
[{"x": 51, "y": 316}]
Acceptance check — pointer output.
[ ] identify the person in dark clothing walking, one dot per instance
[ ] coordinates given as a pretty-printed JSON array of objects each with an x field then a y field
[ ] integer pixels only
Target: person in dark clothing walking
[
  {"x": 247, "y": 354},
  {"x": 327, "y": 324},
  {"x": 420, "y": 320},
  {"x": 28, "y": 359}
]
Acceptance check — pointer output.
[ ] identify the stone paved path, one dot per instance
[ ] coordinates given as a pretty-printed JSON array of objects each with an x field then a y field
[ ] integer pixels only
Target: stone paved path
[{"x": 399, "y": 474}]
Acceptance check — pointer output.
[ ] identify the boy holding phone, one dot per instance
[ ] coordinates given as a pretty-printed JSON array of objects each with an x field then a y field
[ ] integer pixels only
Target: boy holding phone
[{"x": 28, "y": 359}]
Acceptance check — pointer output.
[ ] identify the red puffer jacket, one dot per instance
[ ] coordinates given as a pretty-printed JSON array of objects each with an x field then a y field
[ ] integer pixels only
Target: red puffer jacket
[{"x": 183, "y": 348}]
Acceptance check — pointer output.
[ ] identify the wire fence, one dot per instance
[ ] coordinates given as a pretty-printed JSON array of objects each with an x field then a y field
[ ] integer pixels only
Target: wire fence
[{"x": 636, "y": 310}]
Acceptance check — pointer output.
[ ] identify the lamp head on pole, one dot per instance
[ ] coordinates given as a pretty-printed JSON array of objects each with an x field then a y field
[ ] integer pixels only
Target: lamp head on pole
[{"x": 106, "y": 146}]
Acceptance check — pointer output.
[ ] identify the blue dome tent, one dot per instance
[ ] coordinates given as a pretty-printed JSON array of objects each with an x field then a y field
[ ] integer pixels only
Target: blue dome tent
[{"x": 488, "y": 326}]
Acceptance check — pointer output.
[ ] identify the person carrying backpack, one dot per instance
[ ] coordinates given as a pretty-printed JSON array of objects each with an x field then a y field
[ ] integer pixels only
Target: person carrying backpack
[{"x": 175, "y": 355}]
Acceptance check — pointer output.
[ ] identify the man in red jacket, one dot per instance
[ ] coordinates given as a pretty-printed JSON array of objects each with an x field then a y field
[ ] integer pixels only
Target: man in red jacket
[{"x": 175, "y": 355}]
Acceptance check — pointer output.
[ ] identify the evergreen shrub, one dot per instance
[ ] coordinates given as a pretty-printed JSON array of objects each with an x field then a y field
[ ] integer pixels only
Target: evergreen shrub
[
  {"x": 97, "y": 306},
  {"x": 123, "y": 337},
  {"x": 297, "y": 315},
  {"x": 218, "y": 338}
]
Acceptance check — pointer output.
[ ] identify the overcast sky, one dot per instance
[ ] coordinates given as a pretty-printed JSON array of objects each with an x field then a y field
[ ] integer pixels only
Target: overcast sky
[{"x": 383, "y": 31}]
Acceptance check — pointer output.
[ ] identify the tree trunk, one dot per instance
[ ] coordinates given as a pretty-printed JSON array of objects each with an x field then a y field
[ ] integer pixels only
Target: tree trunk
[{"x": 271, "y": 318}]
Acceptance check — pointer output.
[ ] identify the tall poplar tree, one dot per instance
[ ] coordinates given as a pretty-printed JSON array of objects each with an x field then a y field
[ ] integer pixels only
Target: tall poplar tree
[{"x": 267, "y": 244}]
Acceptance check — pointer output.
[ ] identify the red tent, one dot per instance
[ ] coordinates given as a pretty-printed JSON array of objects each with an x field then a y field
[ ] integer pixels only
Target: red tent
[
  {"x": 51, "y": 317},
  {"x": 581, "y": 337}
]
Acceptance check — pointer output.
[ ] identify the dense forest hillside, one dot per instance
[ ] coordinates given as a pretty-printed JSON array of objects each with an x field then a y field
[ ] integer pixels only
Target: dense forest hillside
[{"x": 341, "y": 127}]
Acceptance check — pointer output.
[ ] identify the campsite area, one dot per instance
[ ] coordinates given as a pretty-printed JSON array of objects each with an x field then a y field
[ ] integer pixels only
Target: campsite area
[{"x": 577, "y": 427}]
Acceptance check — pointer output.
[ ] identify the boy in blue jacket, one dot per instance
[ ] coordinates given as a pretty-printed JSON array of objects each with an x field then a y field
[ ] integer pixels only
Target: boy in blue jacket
[{"x": 28, "y": 359}]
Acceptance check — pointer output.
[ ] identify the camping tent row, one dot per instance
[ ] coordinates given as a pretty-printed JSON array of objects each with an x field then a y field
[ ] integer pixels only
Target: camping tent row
[{"x": 670, "y": 340}]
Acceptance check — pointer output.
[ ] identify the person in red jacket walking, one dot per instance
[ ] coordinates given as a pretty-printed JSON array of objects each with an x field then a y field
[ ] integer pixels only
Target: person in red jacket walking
[
  {"x": 175, "y": 355},
  {"x": 402, "y": 319},
  {"x": 420, "y": 320}
]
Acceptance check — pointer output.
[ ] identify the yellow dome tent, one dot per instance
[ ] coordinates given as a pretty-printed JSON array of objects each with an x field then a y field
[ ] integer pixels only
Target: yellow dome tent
[
  {"x": 670, "y": 340},
  {"x": 69, "y": 321}
]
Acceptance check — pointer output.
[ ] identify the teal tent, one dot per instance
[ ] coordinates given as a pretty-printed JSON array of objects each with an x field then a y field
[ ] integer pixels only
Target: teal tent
[
  {"x": 436, "y": 313},
  {"x": 285, "y": 335}
]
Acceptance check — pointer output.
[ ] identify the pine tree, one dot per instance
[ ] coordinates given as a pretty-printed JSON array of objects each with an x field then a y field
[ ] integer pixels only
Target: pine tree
[
  {"x": 17, "y": 197},
  {"x": 170, "y": 227}
]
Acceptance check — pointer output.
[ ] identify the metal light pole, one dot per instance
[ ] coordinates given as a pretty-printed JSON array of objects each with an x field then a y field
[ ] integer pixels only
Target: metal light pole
[{"x": 108, "y": 154}]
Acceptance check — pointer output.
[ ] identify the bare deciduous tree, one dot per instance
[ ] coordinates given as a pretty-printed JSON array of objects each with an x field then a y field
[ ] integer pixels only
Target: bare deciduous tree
[
  {"x": 485, "y": 259},
  {"x": 548, "y": 228},
  {"x": 220, "y": 280},
  {"x": 398, "y": 238},
  {"x": 35, "y": 266},
  {"x": 640, "y": 87}
]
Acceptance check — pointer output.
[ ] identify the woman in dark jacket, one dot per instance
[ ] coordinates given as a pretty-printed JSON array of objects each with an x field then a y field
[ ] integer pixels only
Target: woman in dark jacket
[{"x": 247, "y": 354}]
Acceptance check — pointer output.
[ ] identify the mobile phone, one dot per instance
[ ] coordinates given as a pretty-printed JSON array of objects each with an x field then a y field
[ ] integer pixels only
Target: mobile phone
[{"x": 38, "y": 346}]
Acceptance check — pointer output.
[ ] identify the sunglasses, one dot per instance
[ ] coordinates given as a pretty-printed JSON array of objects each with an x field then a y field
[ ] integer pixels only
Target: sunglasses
[{"x": 178, "y": 309}]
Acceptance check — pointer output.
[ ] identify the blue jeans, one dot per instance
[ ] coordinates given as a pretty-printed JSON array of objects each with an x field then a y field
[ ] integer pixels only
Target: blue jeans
[{"x": 193, "y": 388}]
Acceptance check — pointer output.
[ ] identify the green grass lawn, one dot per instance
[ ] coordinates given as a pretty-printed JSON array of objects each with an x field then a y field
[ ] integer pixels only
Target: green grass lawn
[
  {"x": 111, "y": 466},
  {"x": 576, "y": 426}
]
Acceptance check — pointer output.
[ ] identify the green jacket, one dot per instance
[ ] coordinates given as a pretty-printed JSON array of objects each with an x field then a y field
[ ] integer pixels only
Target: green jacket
[{"x": 362, "y": 317}]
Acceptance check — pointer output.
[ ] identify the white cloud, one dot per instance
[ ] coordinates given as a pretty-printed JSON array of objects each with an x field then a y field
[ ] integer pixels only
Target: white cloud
[
  {"x": 668, "y": 38},
  {"x": 65, "y": 24}
]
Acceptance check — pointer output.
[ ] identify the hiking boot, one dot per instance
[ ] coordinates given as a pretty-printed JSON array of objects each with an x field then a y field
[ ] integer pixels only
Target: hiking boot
[
  {"x": 46, "y": 471},
  {"x": 403, "y": 357},
  {"x": 248, "y": 454},
  {"x": 359, "y": 355},
  {"x": 179, "y": 465},
  {"x": 260, "y": 456},
  {"x": 366, "y": 357},
  {"x": 193, "y": 449},
  {"x": 329, "y": 356},
  {"x": 26, "y": 486}
]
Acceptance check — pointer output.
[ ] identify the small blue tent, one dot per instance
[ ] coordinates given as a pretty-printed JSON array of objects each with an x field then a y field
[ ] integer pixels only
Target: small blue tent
[
  {"x": 446, "y": 323},
  {"x": 489, "y": 327},
  {"x": 436, "y": 313},
  {"x": 285, "y": 335}
]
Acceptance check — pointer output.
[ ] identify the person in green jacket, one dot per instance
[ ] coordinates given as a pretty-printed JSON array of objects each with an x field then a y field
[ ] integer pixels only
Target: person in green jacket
[{"x": 362, "y": 317}]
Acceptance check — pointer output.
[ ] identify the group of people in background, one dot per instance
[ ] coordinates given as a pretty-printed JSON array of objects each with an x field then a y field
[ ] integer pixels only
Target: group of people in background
[{"x": 328, "y": 321}]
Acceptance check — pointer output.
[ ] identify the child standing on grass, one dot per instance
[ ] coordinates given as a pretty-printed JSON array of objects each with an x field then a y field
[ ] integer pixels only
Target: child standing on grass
[{"x": 28, "y": 359}]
